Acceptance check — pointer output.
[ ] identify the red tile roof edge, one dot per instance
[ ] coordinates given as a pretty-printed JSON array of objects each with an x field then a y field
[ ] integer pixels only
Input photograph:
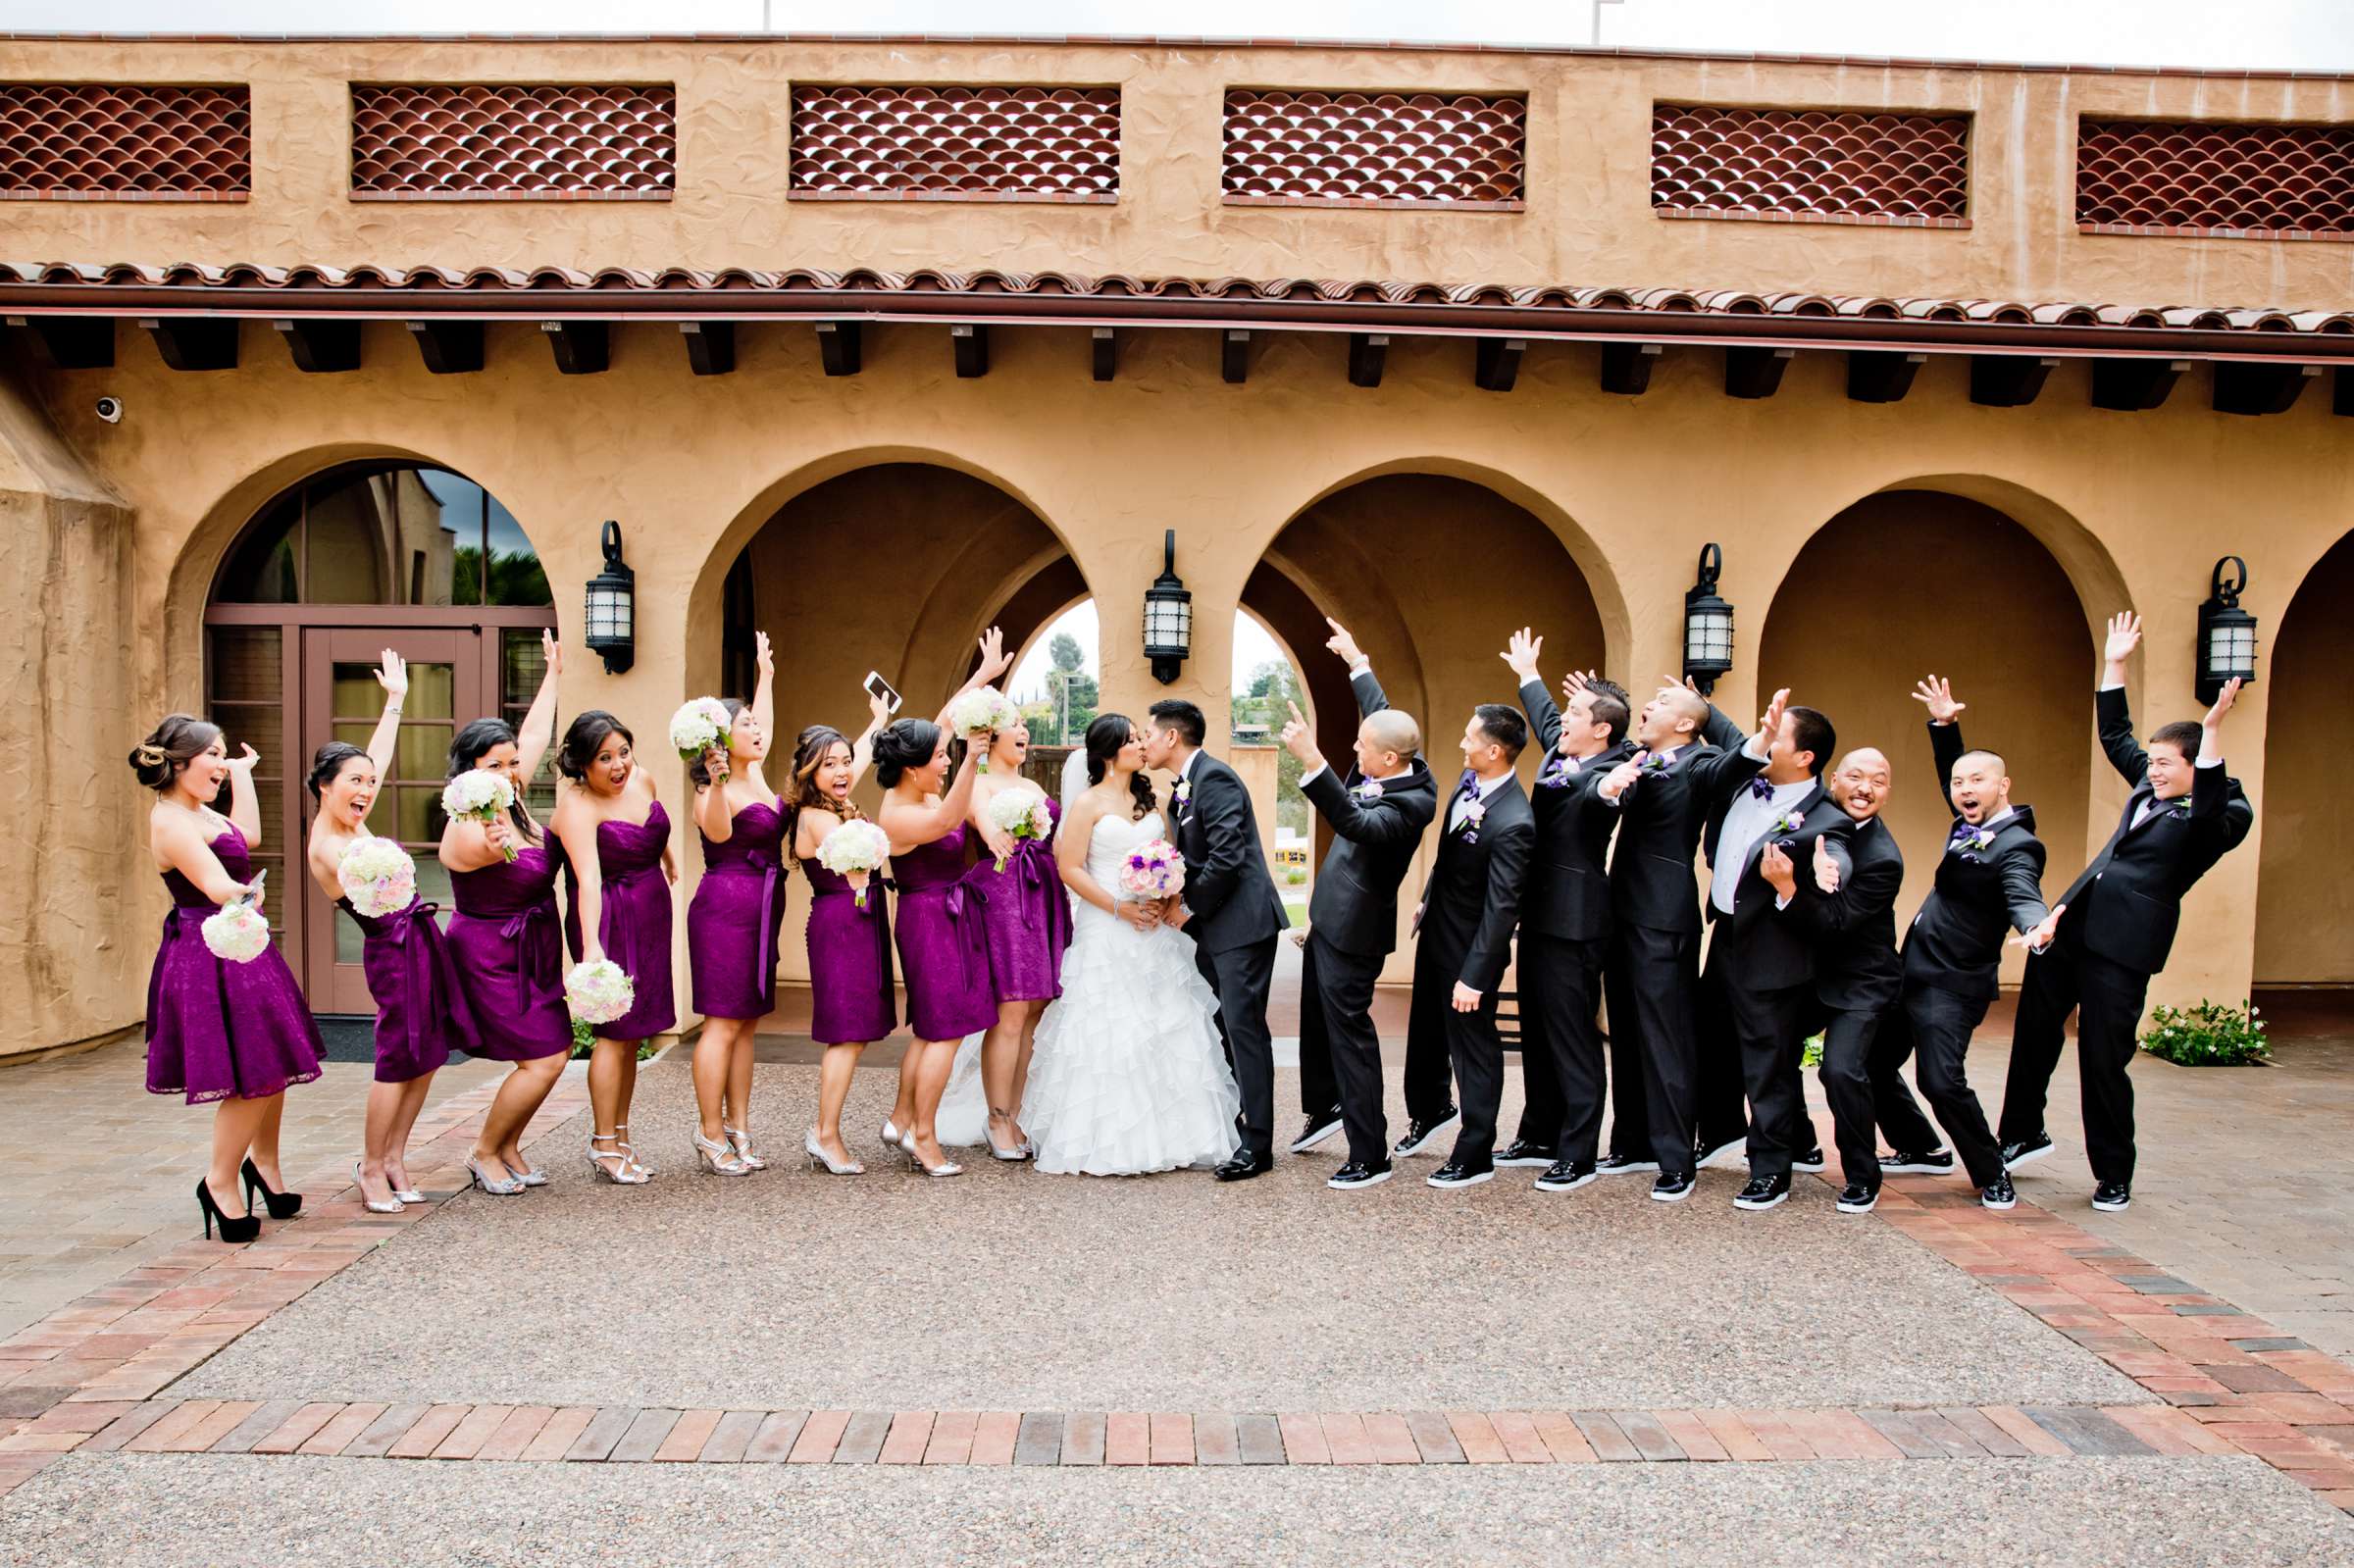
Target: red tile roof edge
[{"x": 1173, "y": 42}]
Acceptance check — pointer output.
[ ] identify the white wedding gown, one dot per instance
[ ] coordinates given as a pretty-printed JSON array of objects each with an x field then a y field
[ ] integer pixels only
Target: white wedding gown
[{"x": 1128, "y": 1075}]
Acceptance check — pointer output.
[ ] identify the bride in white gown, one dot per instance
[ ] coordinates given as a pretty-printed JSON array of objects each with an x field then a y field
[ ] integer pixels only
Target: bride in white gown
[{"x": 1128, "y": 1076}]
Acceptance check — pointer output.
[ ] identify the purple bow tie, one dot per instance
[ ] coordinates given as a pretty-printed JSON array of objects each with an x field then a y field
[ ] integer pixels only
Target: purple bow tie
[
  {"x": 1963, "y": 832},
  {"x": 1468, "y": 787},
  {"x": 1759, "y": 789}
]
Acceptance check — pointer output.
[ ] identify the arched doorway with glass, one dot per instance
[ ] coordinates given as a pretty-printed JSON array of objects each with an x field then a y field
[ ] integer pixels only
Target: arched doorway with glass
[{"x": 331, "y": 573}]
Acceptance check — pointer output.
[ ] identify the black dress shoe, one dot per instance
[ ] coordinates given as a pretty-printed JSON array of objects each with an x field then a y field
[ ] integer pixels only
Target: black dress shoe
[
  {"x": 2111, "y": 1196},
  {"x": 2026, "y": 1150},
  {"x": 1525, "y": 1152},
  {"x": 1671, "y": 1187},
  {"x": 1243, "y": 1166},
  {"x": 1321, "y": 1125},
  {"x": 1623, "y": 1165},
  {"x": 1935, "y": 1162},
  {"x": 1563, "y": 1175},
  {"x": 1811, "y": 1161},
  {"x": 1356, "y": 1173},
  {"x": 1859, "y": 1197},
  {"x": 1762, "y": 1193},
  {"x": 1419, "y": 1133},
  {"x": 1998, "y": 1193},
  {"x": 1455, "y": 1173}
]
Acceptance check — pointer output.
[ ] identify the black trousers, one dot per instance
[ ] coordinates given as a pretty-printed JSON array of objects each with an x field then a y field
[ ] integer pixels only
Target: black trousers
[
  {"x": 1719, "y": 1115},
  {"x": 1242, "y": 976},
  {"x": 1429, "y": 1082},
  {"x": 1660, "y": 982},
  {"x": 1560, "y": 1045},
  {"x": 1942, "y": 1022},
  {"x": 2107, "y": 999},
  {"x": 1630, "y": 1110},
  {"x": 1337, "y": 1037},
  {"x": 1476, "y": 1050},
  {"x": 1763, "y": 1026},
  {"x": 1861, "y": 1081}
]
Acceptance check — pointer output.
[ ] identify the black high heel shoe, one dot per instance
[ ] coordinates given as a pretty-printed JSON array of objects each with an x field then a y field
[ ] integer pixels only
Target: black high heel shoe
[
  {"x": 281, "y": 1206},
  {"x": 233, "y": 1228}
]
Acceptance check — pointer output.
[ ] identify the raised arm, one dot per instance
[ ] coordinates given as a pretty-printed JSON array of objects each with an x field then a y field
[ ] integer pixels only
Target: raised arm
[
  {"x": 1945, "y": 729},
  {"x": 1392, "y": 818},
  {"x": 538, "y": 731},
  {"x": 863, "y": 751},
  {"x": 994, "y": 663},
  {"x": 912, "y": 827},
  {"x": 764, "y": 687},
  {"x": 244, "y": 806},
  {"x": 1720, "y": 771},
  {"x": 393, "y": 676},
  {"x": 2114, "y": 718},
  {"x": 1520, "y": 652}
]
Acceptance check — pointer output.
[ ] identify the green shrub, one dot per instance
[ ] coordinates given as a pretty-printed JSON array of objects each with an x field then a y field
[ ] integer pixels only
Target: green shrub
[
  {"x": 1811, "y": 1056},
  {"x": 1295, "y": 878},
  {"x": 2210, "y": 1035},
  {"x": 582, "y": 1042}
]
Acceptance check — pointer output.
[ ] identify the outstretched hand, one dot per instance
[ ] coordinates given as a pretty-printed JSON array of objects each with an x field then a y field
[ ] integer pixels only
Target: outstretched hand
[
  {"x": 1576, "y": 681},
  {"x": 1939, "y": 696},
  {"x": 1770, "y": 723},
  {"x": 551, "y": 652},
  {"x": 1616, "y": 782},
  {"x": 1520, "y": 654},
  {"x": 993, "y": 659},
  {"x": 2224, "y": 700},
  {"x": 764, "y": 661},
  {"x": 1299, "y": 741},
  {"x": 392, "y": 674},
  {"x": 1342, "y": 644},
  {"x": 2125, "y": 635},
  {"x": 1827, "y": 867}
]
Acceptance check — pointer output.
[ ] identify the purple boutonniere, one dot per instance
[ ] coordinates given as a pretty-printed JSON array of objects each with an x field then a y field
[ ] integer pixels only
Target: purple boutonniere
[
  {"x": 1475, "y": 812},
  {"x": 1786, "y": 823},
  {"x": 1369, "y": 791},
  {"x": 1969, "y": 840},
  {"x": 1556, "y": 772}
]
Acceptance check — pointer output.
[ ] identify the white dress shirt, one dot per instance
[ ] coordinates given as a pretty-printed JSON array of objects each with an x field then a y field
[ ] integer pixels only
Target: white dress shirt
[
  {"x": 1746, "y": 821},
  {"x": 1486, "y": 787}
]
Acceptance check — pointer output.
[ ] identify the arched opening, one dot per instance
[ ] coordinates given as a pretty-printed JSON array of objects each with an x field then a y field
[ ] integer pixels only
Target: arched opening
[
  {"x": 1908, "y": 583},
  {"x": 2300, "y": 880},
  {"x": 328, "y": 574}
]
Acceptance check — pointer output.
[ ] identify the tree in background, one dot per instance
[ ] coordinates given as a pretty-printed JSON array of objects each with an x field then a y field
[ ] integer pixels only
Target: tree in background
[
  {"x": 1071, "y": 693},
  {"x": 1266, "y": 702}
]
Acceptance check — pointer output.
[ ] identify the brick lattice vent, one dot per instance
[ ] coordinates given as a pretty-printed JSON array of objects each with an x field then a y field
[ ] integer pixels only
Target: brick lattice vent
[
  {"x": 1354, "y": 149},
  {"x": 2136, "y": 177},
  {"x": 513, "y": 143},
  {"x": 106, "y": 141},
  {"x": 956, "y": 143},
  {"x": 1811, "y": 166}
]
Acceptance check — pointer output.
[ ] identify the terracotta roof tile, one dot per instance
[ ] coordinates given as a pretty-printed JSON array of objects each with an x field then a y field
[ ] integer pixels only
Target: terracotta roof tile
[
  {"x": 512, "y": 144},
  {"x": 943, "y": 142},
  {"x": 1375, "y": 149},
  {"x": 1823, "y": 165},
  {"x": 94, "y": 141},
  {"x": 2192, "y": 178}
]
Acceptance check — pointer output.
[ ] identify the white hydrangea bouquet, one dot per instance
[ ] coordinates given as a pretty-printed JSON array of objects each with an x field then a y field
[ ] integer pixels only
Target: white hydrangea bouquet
[
  {"x": 598, "y": 990},
  {"x": 981, "y": 712},
  {"x": 854, "y": 851},
  {"x": 379, "y": 877},
  {"x": 238, "y": 931},
  {"x": 478, "y": 795},
  {"x": 1021, "y": 814},
  {"x": 697, "y": 727}
]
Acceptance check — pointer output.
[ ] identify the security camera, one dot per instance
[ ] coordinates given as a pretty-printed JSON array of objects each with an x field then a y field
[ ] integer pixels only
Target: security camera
[{"x": 110, "y": 409}]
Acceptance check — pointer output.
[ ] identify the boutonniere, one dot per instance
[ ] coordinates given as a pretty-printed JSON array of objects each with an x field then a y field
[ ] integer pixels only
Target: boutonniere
[
  {"x": 1556, "y": 772},
  {"x": 1475, "y": 812},
  {"x": 1369, "y": 791},
  {"x": 1967, "y": 838},
  {"x": 1786, "y": 823},
  {"x": 1183, "y": 796}
]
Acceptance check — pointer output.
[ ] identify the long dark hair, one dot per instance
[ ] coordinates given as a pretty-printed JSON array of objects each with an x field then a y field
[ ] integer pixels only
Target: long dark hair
[
  {"x": 584, "y": 737},
  {"x": 466, "y": 751},
  {"x": 1104, "y": 738},
  {"x": 699, "y": 772},
  {"x": 801, "y": 789},
  {"x": 175, "y": 742},
  {"x": 327, "y": 765},
  {"x": 903, "y": 745}
]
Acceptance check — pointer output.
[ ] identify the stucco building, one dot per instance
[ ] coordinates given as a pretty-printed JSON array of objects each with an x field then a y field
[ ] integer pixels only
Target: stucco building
[{"x": 319, "y": 346}]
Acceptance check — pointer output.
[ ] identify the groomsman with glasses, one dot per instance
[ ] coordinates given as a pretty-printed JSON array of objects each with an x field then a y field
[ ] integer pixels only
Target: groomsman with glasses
[{"x": 2113, "y": 929}]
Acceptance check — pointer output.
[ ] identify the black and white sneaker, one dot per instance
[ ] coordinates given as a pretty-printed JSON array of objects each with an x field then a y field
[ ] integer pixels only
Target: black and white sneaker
[
  {"x": 1935, "y": 1162},
  {"x": 1419, "y": 1133},
  {"x": 1320, "y": 1127},
  {"x": 1525, "y": 1152},
  {"x": 2026, "y": 1151},
  {"x": 1452, "y": 1174},
  {"x": 2110, "y": 1197},
  {"x": 1998, "y": 1194},
  {"x": 1671, "y": 1188},
  {"x": 1355, "y": 1174},
  {"x": 1859, "y": 1197},
  {"x": 1762, "y": 1193},
  {"x": 1705, "y": 1154},
  {"x": 1563, "y": 1175},
  {"x": 1623, "y": 1165},
  {"x": 1811, "y": 1161}
]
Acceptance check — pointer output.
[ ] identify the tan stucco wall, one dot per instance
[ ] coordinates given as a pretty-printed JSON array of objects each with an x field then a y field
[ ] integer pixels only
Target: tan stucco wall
[{"x": 2305, "y": 907}]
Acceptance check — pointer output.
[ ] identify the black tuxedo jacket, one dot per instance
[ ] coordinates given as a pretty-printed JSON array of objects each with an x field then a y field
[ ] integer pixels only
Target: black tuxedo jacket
[
  {"x": 2127, "y": 903},
  {"x": 1660, "y": 822},
  {"x": 1772, "y": 947},
  {"x": 1230, "y": 899},
  {"x": 1472, "y": 900},
  {"x": 1354, "y": 907},
  {"x": 1856, "y": 964},
  {"x": 1568, "y": 892},
  {"x": 1957, "y": 939}
]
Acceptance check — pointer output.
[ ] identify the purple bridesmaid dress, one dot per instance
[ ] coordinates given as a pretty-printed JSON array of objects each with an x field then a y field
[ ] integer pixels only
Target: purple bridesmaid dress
[
  {"x": 739, "y": 909},
  {"x": 421, "y": 1013},
  {"x": 1026, "y": 916},
  {"x": 851, "y": 1002},
  {"x": 943, "y": 952},
  {"x": 505, "y": 945},
  {"x": 635, "y": 926},
  {"x": 217, "y": 1029}
]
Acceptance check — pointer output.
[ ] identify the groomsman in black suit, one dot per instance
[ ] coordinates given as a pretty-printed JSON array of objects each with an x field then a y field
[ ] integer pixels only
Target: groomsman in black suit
[
  {"x": 1989, "y": 878},
  {"x": 2112, "y": 929},
  {"x": 1762, "y": 958},
  {"x": 1565, "y": 923},
  {"x": 1469, "y": 907},
  {"x": 1689, "y": 762},
  {"x": 1377, "y": 816},
  {"x": 1231, "y": 910}
]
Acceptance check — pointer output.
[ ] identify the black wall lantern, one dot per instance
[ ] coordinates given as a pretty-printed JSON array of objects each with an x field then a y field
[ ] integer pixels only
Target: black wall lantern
[
  {"x": 2227, "y": 632},
  {"x": 613, "y": 608},
  {"x": 1707, "y": 624},
  {"x": 1169, "y": 616}
]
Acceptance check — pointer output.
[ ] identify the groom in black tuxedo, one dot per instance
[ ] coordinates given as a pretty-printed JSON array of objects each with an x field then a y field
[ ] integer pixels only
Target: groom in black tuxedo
[
  {"x": 1377, "y": 816},
  {"x": 1231, "y": 910}
]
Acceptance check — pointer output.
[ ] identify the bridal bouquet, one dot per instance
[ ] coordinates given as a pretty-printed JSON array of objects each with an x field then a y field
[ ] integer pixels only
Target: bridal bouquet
[
  {"x": 379, "y": 877},
  {"x": 238, "y": 931},
  {"x": 981, "y": 712},
  {"x": 1022, "y": 814},
  {"x": 478, "y": 795},
  {"x": 1153, "y": 870},
  {"x": 697, "y": 727},
  {"x": 598, "y": 991},
  {"x": 854, "y": 852}
]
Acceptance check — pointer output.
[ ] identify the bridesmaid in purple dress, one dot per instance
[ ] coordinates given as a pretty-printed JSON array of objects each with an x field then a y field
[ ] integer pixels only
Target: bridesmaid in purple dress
[
  {"x": 1026, "y": 917},
  {"x": 504, "y": 939},
  {"x": 232, "y": 1033},
  {"x": 616, "y": 839},
  {"x": 852, "y": 1002},
  {"x": 419, "y": 1015}
]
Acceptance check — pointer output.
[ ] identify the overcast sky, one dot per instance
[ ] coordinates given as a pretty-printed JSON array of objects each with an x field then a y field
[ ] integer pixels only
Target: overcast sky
[{"x": 2298, "y": 35}]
